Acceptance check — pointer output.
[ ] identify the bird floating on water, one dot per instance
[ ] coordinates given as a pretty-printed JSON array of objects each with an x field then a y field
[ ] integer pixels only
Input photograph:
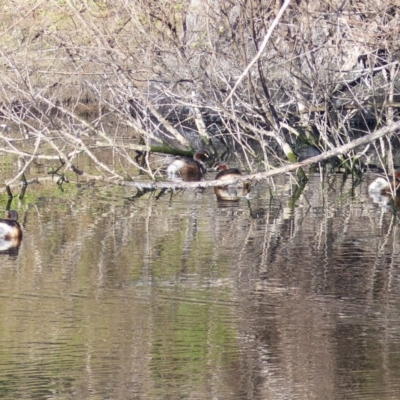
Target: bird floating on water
[
  {"x": 232, "y": 191},
  {"x": 188, "y": 169},
  {"x": 10, "y": 228}
]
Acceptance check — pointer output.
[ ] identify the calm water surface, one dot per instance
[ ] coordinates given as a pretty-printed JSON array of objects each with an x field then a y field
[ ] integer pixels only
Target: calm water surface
[{"x": 177, "y": 296}]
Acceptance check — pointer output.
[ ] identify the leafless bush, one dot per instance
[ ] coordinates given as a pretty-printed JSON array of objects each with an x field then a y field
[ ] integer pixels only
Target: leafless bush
[{"x": 79, "y": 76}]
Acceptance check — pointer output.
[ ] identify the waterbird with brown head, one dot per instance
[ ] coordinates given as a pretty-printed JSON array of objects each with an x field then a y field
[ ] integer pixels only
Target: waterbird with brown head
[
  {"x": 188, "y": 169},
  {"x": 231, "y": 191}
]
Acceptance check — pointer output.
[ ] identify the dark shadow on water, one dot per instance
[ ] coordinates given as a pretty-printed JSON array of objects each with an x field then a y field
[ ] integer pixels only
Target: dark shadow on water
[{"x": 227, "y": 203}]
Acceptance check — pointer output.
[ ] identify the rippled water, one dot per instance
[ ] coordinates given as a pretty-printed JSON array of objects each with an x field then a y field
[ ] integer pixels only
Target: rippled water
[{"x": 178, "y": 296}]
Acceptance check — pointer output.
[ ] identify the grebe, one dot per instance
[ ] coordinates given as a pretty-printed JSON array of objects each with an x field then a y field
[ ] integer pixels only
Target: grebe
[
  {"x": 10, "y": 228},
  {"x": 233, "y": 191},
  {"x": 385, "y": 185},
  {"x": 189, "y": 169}
]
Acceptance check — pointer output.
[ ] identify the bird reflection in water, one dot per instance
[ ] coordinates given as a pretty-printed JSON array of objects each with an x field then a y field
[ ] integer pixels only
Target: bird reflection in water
[
  {"x": 10, "y": 234},
  {"x": 10, "y": 246},
  {"x": 386, "y": 201}
]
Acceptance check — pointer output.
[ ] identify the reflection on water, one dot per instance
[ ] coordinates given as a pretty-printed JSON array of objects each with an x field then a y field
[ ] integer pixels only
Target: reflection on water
[
  {"x": 181, "y": 296},
  {"x": 10, "y": 246},
  {"x": 385, "y": 201}
]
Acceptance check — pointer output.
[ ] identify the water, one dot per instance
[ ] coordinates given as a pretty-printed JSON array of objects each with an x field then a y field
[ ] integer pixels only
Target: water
[{"x": 177, "y": 296}]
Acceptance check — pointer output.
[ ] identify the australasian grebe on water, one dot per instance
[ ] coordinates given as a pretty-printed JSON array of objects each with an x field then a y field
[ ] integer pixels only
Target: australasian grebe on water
[
  {"x": 189, "y": 169},
  {"x": 10, "y": 228},
  {"x": 234, "y": 191},
  {"x": 387, "y": 184}
]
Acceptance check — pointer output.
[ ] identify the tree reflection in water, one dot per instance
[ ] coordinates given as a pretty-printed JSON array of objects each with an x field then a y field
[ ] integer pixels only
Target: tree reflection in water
[{"x": 170, "y": 296}]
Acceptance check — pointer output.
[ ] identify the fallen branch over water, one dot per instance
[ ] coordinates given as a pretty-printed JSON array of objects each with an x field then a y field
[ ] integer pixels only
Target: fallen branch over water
[
  {"x": 281, "y": 170},
  {"x": 155, "y": 185}
]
